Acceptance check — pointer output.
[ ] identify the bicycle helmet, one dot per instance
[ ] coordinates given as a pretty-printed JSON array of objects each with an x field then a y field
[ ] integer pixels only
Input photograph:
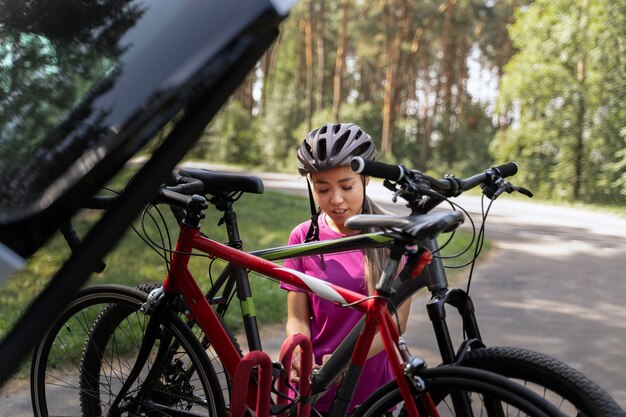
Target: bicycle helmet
[{"x": 333, "y": 145}]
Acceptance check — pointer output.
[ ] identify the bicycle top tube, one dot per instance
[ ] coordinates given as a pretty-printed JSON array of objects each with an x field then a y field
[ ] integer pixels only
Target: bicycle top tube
[
  {"x": 269, "y": 269},
  {"x": 341, "y": 244},
  {"x": 190, "y": 238}
]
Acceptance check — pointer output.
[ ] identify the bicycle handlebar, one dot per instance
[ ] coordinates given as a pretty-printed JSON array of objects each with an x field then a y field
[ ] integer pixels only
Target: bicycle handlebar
[
  {"x": 413, "y": 183},
  {"x": 449, "y": 186}
]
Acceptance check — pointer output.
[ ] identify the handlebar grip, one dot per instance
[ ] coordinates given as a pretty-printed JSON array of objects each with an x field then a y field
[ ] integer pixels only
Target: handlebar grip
[
  {"x": 376, "y": 169},
  {"x": 507, "y": 170},
  {"x": 100, "y": 202},
  {"x": 166, "y": 195},
  {"x": 188, "y": 186}
]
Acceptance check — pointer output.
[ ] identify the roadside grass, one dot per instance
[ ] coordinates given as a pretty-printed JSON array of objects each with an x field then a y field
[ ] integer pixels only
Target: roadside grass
[{"x": 264, "y": 220}]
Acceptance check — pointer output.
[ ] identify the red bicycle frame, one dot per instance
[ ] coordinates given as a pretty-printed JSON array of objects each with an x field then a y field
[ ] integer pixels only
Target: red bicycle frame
[{"x": 181, "y": 281}]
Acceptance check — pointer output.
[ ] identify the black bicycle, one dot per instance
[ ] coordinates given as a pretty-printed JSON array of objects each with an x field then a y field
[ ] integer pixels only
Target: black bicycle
[{"x": 570, "y": 390}]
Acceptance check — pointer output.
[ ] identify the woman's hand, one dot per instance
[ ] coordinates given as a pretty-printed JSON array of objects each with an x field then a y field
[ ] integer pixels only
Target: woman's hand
[
  {"x": 338, "y": 379},
  {"x": 295, "y": 367},
  {"x": 294, "y": 376}
]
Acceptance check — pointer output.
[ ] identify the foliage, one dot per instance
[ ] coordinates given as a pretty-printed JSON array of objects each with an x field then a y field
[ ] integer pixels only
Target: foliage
[
  {"x": 563, "y": 93},
  {"x": 409, "y": 74},
  {"x": 233, "y": 137},
  {"x": 57, "y": 64},
  {"x": 295, "y": 84}
]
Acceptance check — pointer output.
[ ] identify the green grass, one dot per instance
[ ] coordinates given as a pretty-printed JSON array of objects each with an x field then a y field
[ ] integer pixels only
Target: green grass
[{"x": 264, "y": 221}]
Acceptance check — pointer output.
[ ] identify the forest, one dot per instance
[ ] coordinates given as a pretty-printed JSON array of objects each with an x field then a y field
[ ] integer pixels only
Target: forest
[{"x": 446, "y": 86}]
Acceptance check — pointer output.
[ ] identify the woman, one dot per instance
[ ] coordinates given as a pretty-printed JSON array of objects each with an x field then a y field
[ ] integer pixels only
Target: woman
[{"x": 324, "y": 158}]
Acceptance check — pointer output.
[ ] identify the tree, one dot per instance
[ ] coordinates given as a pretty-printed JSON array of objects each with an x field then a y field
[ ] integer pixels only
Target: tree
[
  {"x": 405, "y": 61},
  {"x": 563, "y": 93}
]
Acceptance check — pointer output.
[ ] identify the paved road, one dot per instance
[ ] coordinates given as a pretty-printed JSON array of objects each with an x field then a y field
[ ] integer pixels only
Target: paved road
[{"x": 555, "y": 283}]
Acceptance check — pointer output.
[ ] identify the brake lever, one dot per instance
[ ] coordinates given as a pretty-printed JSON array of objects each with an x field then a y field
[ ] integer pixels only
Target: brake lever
[
  {"x": 524, "y": 191},
  {"x": 502, "y": 186},
  {"x": 412, "y": 190}
]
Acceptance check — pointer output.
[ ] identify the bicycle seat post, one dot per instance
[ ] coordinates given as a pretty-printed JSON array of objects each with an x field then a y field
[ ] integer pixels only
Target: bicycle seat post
[
  {"x": 224, "y": 202},
  {"x": 384, "y": 284}
]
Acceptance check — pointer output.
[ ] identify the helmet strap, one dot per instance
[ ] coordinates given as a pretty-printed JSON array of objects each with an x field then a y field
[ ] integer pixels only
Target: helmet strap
[{"x": 314, "y": 229}]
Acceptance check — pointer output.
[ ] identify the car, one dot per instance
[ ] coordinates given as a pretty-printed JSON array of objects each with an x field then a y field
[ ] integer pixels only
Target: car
[{"x": 84, "y": 86}]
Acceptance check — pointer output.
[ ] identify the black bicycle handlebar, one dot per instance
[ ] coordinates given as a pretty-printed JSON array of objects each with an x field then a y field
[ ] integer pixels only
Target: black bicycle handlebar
[
  {"x": 448, "y": 186},
  {"x": 377, "y": 169}
]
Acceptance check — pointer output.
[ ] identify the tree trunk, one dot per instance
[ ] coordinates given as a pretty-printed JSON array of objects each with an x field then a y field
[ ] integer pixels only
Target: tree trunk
[
  {"x": 582, "y": 103},
  {"x": 243, "y": 94},
  {"x": 447, "y": 71},
  {"x": 319, "y": 40},
  {"x": 392, "y": 55},
  {"x": 269, "y": 68},
  {"x": 300, "y": 70},
  {"x": 308, "y": 41},
  {"x": 340, "y": 59}
]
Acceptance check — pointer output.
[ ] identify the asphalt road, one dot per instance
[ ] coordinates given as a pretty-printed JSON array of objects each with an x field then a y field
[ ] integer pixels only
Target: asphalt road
[{"x": 555, "y": 283}]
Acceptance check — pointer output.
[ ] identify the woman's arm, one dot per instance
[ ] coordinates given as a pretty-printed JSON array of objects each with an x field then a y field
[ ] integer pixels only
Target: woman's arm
[
  {"x": 298, "y": 314},
  {"x": 403, "y": 317}
]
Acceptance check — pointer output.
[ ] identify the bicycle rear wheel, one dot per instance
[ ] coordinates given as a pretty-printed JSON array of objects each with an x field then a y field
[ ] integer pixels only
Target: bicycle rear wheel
[
  {"x": 216, "y": 362},
  {"x": 488, "y": 394},
  {"x": 571, "y": 391},
  {"x": 56, "y": 388}
]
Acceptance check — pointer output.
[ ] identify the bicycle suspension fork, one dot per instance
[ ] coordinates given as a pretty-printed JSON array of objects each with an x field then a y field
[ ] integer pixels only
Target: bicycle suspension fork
[{"x": 436, "y": 307}]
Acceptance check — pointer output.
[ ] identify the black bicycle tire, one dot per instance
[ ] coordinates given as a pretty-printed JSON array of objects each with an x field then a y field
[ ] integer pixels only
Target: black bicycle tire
[
  {"x": 93, "y": 296},
  {"x": 102, "y": 332},
  {"x": 442, "y": 380},
  {"x": 533, "y": 367},
  {"x": 42, "y": 351},
  {"x": 213, "y": 357}
]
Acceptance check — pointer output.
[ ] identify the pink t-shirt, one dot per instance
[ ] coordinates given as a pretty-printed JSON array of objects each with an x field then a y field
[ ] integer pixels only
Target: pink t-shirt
[{"x": 330, "y": 324}]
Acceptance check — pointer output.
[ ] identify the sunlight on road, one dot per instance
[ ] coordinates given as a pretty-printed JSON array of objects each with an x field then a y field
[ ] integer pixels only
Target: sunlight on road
[
  {"x": 609, "y": 314},
  {"x": 555, "y": 248}
]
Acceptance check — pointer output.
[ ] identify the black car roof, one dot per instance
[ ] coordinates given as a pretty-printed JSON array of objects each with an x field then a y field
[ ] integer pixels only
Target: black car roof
[{"x": 83, "y": 88}]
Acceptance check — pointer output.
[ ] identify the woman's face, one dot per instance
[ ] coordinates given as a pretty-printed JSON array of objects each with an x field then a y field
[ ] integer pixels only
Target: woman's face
[{"x": 339, "y": 193}]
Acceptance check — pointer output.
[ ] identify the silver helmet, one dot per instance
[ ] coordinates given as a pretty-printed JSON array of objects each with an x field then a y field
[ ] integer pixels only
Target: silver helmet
[{"x": 333, "y": 145}]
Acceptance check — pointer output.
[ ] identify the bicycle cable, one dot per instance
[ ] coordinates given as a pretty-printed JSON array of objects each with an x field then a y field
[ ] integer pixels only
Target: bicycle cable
[
  {"x": 154, "y": 245},
  {"x": 469, "y": 245},
  {"x": 372, "y": 297},
  {"x": 481, "y": 239}
]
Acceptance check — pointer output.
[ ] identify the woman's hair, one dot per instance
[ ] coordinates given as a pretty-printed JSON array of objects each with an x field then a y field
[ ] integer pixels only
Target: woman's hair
[{"x": 375, "y": 258}]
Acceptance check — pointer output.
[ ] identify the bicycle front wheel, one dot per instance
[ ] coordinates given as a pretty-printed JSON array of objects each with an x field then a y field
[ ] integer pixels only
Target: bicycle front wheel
[
  {"x": 61, "y": 365},
  {"x": 573, "y": 393},
  {"x": 461, "y": 392}
]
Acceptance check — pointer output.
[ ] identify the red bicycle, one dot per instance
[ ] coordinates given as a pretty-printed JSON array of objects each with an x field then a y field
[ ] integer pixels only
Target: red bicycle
[{"x": 142, "y": 359}]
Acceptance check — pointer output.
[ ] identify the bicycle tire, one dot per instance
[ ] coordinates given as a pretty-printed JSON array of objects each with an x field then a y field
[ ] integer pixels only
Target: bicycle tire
[
  {"x": 55, "y": 388},
  {"x": 484, "y": 389},
  {"x": 216, "y": 362},
  {"x": 575, "y": 394}
]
